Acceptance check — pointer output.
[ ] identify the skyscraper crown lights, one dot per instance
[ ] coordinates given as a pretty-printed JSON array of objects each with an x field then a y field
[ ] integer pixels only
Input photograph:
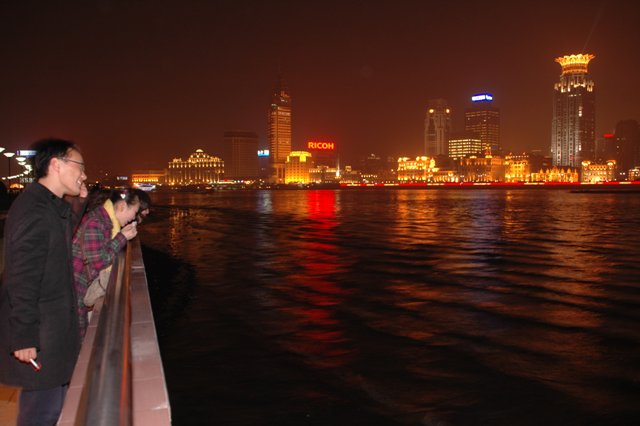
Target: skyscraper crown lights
[{"x": 574, "y": 64}]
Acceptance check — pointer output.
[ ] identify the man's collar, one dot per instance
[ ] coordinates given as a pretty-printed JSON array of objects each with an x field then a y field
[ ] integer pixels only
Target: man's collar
[{"x": 62, "y": 207}]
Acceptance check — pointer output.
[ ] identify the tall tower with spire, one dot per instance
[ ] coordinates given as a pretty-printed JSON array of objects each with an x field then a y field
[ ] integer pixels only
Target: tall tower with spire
[
  {"x": 437, "y": 126},
  {"x": 279, "y": 130},
  {"x": 573, "y": 129}
]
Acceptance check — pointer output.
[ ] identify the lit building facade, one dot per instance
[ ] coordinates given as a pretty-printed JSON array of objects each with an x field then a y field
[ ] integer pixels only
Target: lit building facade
[
  {"x": 422, "y": 169},
  {"x": 154, "y": 177},
  {"x": 437, "y": 126},
  {"x": 464, "y": 144},
  {"x": 198, "y": 169},
  {"x": 488, "y": 168},
  {"x": 240, "y": 154},
  {"x": 350, "y": 175},
  {"x": 297, "y": 167},
  {"x": 517, "y": 168},
  {"x": 324, "y": 174},
  {"x": 483, "y": 120},
  {"x": 574, "y": 113},
  {"x": 556, "y": 174},
  {"x": 279, "y": 131},
  {"x": 418, "y": 170},
  {"x": 594, "y": 173}
]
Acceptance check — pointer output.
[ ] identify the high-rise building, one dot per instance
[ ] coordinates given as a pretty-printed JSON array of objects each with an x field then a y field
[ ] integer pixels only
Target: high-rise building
[
  {"x": 465, "y": 143},
  {"x": 605, "y": 148},
  {"x": 240, "y": 154},
  {"x": 574, "y": 113},
  {"x": 437, "y": 125},
  {"x": 483, "y": 119},
  {"x": 279, "y": 130},
  {"x": 627, "y": 144}
]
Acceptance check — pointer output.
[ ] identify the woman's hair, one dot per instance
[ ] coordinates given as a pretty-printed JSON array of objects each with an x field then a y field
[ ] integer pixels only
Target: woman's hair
[
  {"x": 98, "y": 196},
  {"x": 145, "y": 200}
]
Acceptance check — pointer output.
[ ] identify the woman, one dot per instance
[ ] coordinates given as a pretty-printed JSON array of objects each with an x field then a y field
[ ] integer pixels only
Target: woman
[{"x": 103, "y": 232}]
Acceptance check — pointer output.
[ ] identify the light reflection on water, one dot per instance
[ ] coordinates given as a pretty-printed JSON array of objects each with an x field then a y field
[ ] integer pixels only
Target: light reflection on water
[{"x": 404, "y": 306}]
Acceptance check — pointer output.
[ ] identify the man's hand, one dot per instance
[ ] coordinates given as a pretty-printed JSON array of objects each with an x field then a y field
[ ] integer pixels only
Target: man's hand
[
  {"x": 83, "y": 191},
  {"x": 25, "y": 355}
]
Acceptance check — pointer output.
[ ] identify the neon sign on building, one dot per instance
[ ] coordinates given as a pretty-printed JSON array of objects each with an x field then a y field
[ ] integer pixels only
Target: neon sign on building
[
  {"x": 482, "y": 97},
  {"x": 321, "y": 146}
]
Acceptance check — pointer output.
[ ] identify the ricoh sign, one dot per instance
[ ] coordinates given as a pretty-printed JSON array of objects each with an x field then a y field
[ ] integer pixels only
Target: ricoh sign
[{"x": 321, "y": 146}]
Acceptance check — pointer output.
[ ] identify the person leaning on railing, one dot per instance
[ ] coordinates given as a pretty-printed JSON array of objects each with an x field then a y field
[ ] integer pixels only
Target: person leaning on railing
[
  {"x": 103, "y": 232},
  {"x": 145, "y": 205}
]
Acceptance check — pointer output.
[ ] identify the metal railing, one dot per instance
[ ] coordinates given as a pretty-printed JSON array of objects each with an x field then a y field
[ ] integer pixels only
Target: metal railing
[
  {"x": 106, "y": 396},
  {"x": 119, "y": 378}
]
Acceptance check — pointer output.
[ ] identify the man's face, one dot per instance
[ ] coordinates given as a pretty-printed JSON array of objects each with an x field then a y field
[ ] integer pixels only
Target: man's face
[{"x": 72, "y": 172}]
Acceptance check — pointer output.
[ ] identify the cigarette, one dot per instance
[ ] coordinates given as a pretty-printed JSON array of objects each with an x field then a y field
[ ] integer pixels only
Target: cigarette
[{"x": 36, "y": 366}]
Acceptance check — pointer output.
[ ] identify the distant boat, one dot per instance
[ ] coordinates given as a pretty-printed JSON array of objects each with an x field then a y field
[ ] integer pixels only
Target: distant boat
[{"x": 146, "y": 186}]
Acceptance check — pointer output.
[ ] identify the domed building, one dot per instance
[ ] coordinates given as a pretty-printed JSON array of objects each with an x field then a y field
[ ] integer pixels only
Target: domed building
[{"x": 198, "y": 169}]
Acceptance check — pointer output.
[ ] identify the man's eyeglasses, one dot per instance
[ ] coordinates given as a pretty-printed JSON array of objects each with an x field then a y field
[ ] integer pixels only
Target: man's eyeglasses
[{"x": 80, "y": 163}]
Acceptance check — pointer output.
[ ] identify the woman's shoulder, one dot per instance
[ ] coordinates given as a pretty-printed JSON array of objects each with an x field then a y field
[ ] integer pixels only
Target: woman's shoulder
[{"x": 98, "y": 217}]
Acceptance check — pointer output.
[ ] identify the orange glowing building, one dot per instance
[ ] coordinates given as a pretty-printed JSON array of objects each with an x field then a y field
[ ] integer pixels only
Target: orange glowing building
[
  {"x": 594, "y": 173},
  {"x": 297, "y": 167},
  {"x": 556, "y": 174},
  {"x": 574, "y": 115},
  {"x": 279, "y": 131}
]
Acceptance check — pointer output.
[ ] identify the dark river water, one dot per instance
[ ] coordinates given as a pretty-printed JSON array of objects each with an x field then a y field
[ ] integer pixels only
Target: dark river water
[{"x": 391, "y": 306}]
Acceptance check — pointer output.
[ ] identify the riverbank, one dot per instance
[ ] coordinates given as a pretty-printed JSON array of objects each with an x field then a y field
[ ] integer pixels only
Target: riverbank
[{"x": 571, "y": 186}]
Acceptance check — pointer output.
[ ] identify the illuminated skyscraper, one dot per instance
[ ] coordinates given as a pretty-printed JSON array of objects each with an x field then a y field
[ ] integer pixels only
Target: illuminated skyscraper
[
  {"x": 574, "y": 113},
  {"x": 483, "y": 119},
  {"x": 437, "y": 125},
  {"x": 279, "y": 130}
]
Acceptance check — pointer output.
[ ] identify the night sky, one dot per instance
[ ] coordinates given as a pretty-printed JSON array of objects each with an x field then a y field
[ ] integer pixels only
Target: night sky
[{"x": 136, "y": 83}]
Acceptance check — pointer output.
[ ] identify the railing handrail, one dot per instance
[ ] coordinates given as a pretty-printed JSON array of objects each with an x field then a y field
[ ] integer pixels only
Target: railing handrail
[{"x": 106, "y": 396}]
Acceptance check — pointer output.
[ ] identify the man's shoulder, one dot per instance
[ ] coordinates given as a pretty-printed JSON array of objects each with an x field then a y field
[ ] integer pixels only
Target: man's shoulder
[
  {"x": 30, "y": 207},
  {"x": 29, "y": 200}
]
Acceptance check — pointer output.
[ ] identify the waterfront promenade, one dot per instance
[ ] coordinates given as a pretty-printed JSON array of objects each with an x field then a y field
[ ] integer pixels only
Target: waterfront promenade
[{"x": 151, "y": 406}]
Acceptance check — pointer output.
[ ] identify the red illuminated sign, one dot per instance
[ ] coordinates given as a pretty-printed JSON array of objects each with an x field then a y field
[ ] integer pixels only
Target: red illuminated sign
[
  {"x": 608, "y": 135},
  {"x": 323, "y": 146}
]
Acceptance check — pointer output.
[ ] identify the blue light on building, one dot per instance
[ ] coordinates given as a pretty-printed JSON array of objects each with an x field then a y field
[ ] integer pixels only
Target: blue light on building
[{"x": 482, "y": 97}]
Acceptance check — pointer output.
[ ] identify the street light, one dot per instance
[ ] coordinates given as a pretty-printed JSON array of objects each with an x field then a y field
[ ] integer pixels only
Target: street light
[{"x": 9, "y": 155}]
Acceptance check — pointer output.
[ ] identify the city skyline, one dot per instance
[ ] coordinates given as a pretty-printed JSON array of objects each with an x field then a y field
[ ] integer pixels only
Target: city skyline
[{"x": 136, "y": 85}]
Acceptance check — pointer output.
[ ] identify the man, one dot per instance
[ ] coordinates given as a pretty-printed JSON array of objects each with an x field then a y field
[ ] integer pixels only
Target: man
[{"x": 39, "y": 337}]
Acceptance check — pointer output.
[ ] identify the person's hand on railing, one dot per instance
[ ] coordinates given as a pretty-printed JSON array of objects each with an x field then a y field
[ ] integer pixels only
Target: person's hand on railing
[{"x": 130, "y": 231}]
